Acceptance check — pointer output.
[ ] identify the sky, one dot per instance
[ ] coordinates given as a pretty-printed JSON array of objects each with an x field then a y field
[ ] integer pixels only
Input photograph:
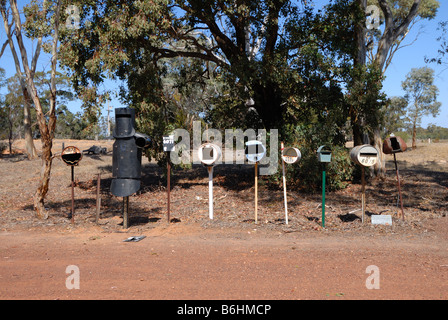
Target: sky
[{"x": 404, "y": 60}]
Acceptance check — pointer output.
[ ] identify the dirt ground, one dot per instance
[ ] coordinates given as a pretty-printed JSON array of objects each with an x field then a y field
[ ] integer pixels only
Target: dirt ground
[{"x": 229, "y": 257}]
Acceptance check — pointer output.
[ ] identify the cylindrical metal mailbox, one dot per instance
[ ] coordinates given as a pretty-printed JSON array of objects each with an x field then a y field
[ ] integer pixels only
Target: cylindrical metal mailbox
[
  {"x": 394, "y": 144},
  {"x": 291, "y": 155},
  {"x": 71, "y": 155},
  {"x": 126, "y": 156},
  {"x": 254, "y": 150},
  {"x": 209, "y": 153},
  {"x": 365, "y": 155}
]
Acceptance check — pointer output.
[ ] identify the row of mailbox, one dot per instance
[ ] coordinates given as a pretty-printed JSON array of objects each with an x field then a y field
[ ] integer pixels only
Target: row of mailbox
[{"x": 365, "y": 155}]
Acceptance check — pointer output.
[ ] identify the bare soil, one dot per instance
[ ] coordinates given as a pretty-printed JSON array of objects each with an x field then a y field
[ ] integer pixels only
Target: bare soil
[{"x": 231, "y": 256}]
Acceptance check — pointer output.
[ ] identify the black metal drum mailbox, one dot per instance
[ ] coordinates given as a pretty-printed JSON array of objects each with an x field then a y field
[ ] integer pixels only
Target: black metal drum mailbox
[
  {"x": 127, "y": 154},
  {"x": 364, "y": 155},
  {"x": 126, "y": 157}
]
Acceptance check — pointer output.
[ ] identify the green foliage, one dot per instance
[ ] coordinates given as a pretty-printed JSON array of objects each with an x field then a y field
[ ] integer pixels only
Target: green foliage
[{"x": 432, "y": 131}]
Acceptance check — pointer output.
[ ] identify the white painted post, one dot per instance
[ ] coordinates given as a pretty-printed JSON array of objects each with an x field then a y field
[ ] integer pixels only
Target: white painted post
[
  {"x": 210, "y": 191},
  {"x": 284, "y": 188}
]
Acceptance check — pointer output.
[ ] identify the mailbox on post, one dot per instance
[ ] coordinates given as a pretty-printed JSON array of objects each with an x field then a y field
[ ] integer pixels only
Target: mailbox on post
[
  {"x": 324, "y": 154},
  {"x": 71, "y": 156},
  {"x": 209, "y": 154},
  {"x": 126, "y": 157},
  {"x": 393, "y": 145},
  {"x": 291, "y": 155},
  {"x": 364, "y": 155},
  {"x": 254, "y": 152}
]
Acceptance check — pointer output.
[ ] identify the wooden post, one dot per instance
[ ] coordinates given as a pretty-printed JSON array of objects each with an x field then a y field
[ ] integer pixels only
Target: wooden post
[
  {"x": 98, "y": 197},
  {"x": 125, "y": 212},
  {"x": 399, "y": 187},
  {"x": 363, "y": 193}
]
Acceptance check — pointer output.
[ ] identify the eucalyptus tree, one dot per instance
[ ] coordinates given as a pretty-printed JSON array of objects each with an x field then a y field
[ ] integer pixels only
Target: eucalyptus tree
[
  {"x": 387, "y": 24},
  {"x": 42, "y": 23},
  {"x": 266, "y": 59},
  {"x": 421, "y": 94}
]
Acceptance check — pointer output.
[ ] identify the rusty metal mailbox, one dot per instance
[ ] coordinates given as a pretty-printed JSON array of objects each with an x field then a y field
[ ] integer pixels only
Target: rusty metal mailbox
[
  {"x": 394, "y": 144},
  {"x": 364, "y": 155}
]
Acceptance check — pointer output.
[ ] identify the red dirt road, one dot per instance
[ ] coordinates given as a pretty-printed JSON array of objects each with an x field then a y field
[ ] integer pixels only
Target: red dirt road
[{"x": 185, "y": 261}]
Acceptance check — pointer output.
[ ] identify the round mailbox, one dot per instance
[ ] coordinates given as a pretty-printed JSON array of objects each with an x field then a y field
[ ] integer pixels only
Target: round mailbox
[
  {"x": 291, "y": 155},
  {"x": 254, "y": 151},
  {"x": 365, "y": 155},
  {"x": 209, "y": 153},
  {"x": 394, "y": 144},
  {"x": 71, "y": 155}
]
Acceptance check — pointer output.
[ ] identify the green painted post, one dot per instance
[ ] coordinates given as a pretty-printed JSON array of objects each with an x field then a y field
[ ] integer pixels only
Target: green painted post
[{"x": 323, "y": 198}]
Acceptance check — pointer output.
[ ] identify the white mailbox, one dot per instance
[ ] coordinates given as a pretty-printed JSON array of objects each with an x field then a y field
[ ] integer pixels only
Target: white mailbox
[
  {"x": 254, "y": 150},
  {"x": 168, "y": 143},
  {"x": 291, "y": 155},
  {"x": 209, "y": 153},
  {"x": 365, "y": 155}
]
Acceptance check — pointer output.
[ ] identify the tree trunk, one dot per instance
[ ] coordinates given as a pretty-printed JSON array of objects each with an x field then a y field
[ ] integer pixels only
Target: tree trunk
[
  {"x": 46, "y": 131},
  {"x": 380, "y": 167},
  {"x": 44, "y": 182},
  {"x": 414, "y": 135},
  {"x": 29, "y": 142}
]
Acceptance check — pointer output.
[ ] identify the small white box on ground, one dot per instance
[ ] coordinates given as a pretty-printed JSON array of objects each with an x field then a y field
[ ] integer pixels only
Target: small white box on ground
[{"x": 381, "y": 219}]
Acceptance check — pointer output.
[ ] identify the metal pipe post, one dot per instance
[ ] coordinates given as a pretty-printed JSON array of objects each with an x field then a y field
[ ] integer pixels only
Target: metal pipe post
[
  {"x": 210, "y": 191},
  {"x": 73, "y": 194},
  {"x": 323, "y": 198},
  {"x": 98, "y": 197}
]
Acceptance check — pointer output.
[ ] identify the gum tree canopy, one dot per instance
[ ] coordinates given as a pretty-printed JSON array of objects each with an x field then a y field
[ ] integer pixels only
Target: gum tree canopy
[{"x": 268, "y": 52}]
